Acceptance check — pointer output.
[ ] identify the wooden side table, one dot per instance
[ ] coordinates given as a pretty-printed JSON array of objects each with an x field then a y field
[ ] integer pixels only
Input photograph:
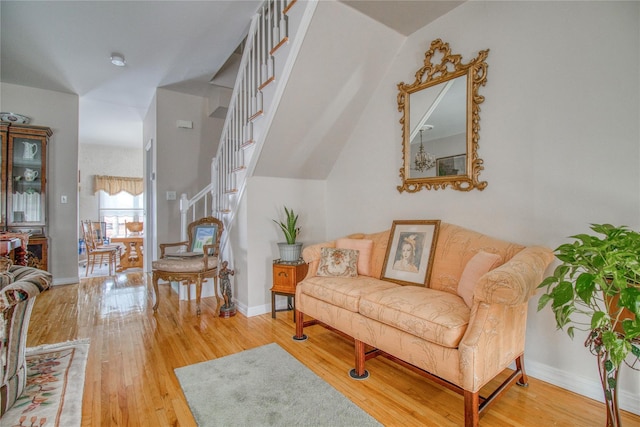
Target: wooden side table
[{"x": 286, "y": 276}]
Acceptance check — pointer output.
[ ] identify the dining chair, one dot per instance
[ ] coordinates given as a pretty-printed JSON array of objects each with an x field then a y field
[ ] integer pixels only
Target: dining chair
[
  {"x": 97, "y": 253},
  {"x": 195, "y": 260}
]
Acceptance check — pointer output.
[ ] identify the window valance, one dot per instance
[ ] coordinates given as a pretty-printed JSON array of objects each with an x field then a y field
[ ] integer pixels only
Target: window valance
[{"x": 114, "y": 184}]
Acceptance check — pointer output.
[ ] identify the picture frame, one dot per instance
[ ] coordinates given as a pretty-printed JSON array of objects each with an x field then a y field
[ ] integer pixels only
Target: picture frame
[
  {"x": 203, "y": 235},
  {"x": 410, "y": 251},
  {"x": 451, "y": 165}
]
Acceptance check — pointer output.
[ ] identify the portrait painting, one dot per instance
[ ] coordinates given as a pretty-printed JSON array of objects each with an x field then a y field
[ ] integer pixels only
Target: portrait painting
[{"x": 410, "y": 251}]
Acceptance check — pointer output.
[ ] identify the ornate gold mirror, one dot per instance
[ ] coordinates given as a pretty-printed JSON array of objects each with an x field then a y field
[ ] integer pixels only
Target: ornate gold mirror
[{"x": 441, "y": 122}]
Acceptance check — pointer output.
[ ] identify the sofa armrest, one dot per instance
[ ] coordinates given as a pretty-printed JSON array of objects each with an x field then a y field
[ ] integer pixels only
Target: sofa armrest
[
  {"x": 29, "y": 282},
  {"x": 311, "y": 255},
  {"x": 516, "y": 280}
]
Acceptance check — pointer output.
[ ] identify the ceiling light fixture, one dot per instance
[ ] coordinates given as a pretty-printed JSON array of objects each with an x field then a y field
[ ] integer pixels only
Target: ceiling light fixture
[
  {"x": 118, "y": 60},
  {"x": 424, "y": 160}
]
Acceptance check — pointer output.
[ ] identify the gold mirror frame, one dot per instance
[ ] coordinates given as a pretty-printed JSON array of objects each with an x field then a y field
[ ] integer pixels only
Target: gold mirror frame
[{"x": 432, "y": 74}]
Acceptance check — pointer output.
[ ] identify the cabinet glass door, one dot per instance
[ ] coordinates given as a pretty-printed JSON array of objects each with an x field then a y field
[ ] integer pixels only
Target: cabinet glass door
[
  {"x": 27, "y": 202},
  {"x": 3, "y": 160},
  {"x": 26, "y": 178}
]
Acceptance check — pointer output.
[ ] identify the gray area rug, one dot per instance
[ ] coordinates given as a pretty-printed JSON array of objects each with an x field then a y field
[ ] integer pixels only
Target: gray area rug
[{"x": 265, "y": 386}]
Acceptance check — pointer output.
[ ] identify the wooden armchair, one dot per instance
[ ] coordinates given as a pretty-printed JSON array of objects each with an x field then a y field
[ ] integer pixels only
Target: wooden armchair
[
  {"x": 197, "y": 260},
  {"x": 97, "y": 252}
]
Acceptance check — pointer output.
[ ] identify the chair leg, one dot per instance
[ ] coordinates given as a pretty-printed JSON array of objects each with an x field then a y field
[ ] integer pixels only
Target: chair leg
[
  {"x": 86, "y": 270},
  {"x": 198, "y": 294},
  {"x": 215, "y": 292},
  {"x": 155, "y": 291},
  {"x": 111, "y": 260},
  {"x": 93, "y": 264}
]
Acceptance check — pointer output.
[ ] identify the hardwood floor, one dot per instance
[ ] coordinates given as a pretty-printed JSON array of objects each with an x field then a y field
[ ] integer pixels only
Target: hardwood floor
[{"x": 130, "y": 379}]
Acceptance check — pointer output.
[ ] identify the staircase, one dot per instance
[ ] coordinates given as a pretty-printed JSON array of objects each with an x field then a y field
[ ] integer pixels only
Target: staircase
[{"x": 274, "y": 39}]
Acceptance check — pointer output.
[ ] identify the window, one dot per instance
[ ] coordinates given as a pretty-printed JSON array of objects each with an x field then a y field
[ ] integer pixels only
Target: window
[{"x": 115, "y": 210}]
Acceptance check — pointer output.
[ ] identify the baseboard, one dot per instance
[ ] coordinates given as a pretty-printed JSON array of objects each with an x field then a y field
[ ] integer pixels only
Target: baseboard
[
  {"x": 258, "y": 310},
  {"x": 65, "y": 281},
  {"x": 252, "y": 311},
  {"x": 281, "y": 303},
  {"x": 580, "y": 385}
]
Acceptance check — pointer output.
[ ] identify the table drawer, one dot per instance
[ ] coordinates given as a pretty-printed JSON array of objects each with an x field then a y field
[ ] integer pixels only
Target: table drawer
[{"x": 286, "y": 277}]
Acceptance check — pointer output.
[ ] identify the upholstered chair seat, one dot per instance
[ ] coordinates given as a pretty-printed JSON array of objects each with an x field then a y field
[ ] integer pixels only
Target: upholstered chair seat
[{"x": 187, "y": 264}]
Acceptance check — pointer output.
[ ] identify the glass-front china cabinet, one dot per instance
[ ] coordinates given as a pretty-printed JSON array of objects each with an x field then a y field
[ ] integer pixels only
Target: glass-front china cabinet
[
  {"x": 26, "y": 187},
  {"x": 4, "y": 129}
]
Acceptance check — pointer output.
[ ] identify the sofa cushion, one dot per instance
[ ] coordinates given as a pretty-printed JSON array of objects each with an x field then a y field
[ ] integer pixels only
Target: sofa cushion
[
  {"x": 436, "y": 316},
  {"x": 480, "y": 264},
  {"x": 456, "y": 246},
  {"x": 336, "y": 262},
  {"x": 344, "y": 292},
  {"x": 364, "y": 247}
]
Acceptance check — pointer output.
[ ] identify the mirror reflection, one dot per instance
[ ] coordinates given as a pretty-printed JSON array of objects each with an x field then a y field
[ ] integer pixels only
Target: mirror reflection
[
  {"x": 438, "y": 130},
  {"x": 440, "y": 122}
]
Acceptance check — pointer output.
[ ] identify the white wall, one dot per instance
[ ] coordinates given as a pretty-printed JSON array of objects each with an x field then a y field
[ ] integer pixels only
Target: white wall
[
  {"x": 59, "y": 111},
  {"x": 256, "y": 248},
  {"x": 559, "y": 137},
  {"x": 95, "y": 160},
  {"x": 184, "y": 156},
  {"x": 149, "y": 132}
]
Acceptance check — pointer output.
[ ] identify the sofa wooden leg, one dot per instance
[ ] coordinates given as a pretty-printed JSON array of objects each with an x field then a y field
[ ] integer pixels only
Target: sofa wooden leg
[
  {"x": 524, "y": 380},
  {"x": 299, "y": 336},
  {"x": 471, "y": 409},
  {"x": 359, "y": 373}
]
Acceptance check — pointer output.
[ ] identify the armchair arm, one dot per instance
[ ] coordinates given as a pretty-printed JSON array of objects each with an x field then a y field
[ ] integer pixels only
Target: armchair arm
[
  {"x": 163, "y": 246},
  {"x": 214, "y": 253},
  {"x": 311, "y": 255}
]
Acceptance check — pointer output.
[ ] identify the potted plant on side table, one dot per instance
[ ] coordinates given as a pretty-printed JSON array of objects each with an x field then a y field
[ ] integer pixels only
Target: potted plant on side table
[
  {"x": 596, "y": 288},
  {"x": 290, "y": 250}
]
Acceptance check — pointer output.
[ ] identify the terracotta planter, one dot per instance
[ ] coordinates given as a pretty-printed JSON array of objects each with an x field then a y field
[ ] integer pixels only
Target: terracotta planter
[{"x": 625, "y": 313}]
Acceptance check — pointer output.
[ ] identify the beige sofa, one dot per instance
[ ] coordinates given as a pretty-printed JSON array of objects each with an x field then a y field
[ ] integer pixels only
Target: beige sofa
[{"x": 431, "y": 329}]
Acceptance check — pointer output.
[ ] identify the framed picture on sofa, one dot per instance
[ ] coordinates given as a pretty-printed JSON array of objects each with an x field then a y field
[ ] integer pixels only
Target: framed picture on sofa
[{"x": 410, "y": 251}]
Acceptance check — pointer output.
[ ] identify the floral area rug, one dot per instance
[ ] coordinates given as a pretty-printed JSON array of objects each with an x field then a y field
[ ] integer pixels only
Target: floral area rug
[{"x": 55, "y": 383}]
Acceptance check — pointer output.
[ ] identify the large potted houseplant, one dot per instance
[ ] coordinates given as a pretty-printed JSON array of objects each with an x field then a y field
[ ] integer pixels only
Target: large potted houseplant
[
  {"x": 290, "y": 250},
  {"x": 596, "y": 289}
]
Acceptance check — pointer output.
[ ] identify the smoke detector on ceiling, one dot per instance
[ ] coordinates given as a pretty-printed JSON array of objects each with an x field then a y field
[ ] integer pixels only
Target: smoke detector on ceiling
[{"x": 118, "y": 60}]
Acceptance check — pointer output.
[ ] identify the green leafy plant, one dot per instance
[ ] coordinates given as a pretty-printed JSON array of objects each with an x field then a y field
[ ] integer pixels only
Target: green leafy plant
[
  {"x": 596, "y": 288},
  {"x": 289, "y": 228}
]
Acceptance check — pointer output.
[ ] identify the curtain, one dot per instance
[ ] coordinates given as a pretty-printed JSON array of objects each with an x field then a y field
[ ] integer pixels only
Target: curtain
[{"x": 112, "y": 185}]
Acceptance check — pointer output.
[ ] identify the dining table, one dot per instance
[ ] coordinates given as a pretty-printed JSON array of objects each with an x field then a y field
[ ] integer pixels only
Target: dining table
[{"x": 132, "y": 255}]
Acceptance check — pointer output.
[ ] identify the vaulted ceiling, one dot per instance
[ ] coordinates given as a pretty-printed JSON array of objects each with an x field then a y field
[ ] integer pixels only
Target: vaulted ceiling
[{"x": 66, "y": 46}]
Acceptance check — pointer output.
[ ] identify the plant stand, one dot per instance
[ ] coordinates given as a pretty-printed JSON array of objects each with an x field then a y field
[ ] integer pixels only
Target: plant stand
[{"x": 608, "y": 378}]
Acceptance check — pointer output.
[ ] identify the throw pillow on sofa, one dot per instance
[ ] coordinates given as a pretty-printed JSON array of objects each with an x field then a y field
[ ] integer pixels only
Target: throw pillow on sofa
[
  {"x": 338, "y": 262},
  {"x": 364, "y": 247},
  {"x": 480, "y": 264}
]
